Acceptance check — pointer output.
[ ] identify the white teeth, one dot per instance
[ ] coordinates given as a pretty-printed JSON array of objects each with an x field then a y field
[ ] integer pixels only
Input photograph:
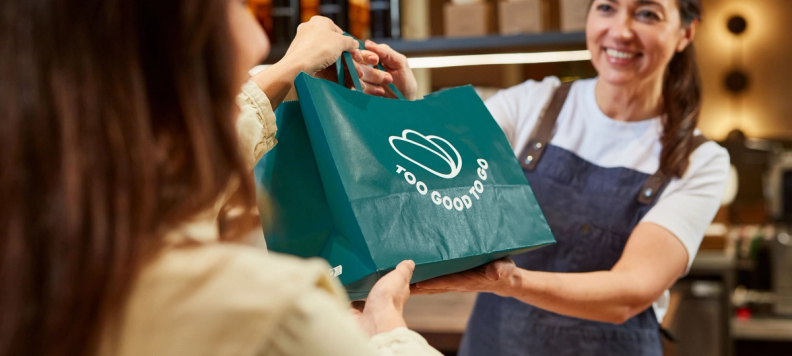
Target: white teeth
[{"x": 618, "y": 54}]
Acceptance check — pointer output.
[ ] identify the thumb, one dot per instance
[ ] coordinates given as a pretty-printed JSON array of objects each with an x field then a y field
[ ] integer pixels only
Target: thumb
[
  {"x": 350, "y": 44},
  {"x": 405, "y": 270},
  {"x": 492, "y": 272}
]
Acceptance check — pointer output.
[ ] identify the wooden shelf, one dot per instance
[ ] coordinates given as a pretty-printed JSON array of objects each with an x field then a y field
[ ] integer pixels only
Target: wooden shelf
[
  {"x": 771, "y": 329},
  {"x": 475, "y": 45}
]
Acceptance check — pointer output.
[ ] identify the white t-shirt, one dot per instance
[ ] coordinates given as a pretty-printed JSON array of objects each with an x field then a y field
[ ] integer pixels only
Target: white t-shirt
[{"x": 687, "y": 205}]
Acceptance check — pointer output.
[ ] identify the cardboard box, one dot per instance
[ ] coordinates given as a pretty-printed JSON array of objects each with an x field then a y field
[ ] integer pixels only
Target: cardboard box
[
  {"x": 467, "y": 20},
  {"x": 573, "y": 15},
  {"x": 520, "y": 16}
]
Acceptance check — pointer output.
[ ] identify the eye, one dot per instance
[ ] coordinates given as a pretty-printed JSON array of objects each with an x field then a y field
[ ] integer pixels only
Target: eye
[
  {"x": 604, "y": 8},
  {"x": 647, "y": 15}
]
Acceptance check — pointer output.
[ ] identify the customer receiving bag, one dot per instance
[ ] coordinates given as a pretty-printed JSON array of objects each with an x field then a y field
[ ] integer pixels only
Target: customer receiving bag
[{"x": 366, "y": 182}]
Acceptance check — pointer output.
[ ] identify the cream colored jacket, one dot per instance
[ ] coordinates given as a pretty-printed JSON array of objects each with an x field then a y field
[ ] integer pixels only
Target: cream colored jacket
[{"x": 215, "y": 298}]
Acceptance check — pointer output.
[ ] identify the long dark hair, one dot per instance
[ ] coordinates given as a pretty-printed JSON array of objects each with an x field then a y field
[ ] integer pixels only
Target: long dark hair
[
  {"x": 116, "y": 125},
  {"x": 681, "y": 101}
]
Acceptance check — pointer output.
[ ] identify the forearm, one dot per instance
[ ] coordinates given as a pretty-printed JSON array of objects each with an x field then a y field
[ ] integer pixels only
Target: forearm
[
  {"x": 608, "y": 296},
  {"x": 277, "y": 80}
]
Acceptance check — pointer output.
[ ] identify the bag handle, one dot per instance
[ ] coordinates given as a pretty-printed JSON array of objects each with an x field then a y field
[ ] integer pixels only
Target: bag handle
[{"x": 350, "y": 66}]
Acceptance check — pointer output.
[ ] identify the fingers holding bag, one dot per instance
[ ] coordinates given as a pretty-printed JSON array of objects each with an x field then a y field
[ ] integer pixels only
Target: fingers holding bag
[{"x": 318, "y": 44}]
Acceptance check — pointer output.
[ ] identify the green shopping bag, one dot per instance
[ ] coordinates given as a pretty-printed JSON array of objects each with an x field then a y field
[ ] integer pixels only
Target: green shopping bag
[{"x": 366, "y": 182}]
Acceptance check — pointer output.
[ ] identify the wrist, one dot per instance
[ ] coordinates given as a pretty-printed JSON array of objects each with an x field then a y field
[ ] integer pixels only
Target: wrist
[
  {"x": 382, "y": 319},
  {"x": 287, "y": 68},
  {"x": 511, "y": 284},
  {"x": 276, "y": 81}
]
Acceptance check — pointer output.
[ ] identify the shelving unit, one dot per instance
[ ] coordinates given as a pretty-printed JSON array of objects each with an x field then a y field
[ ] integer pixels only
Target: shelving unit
[
  {"x": 769, "y": 329},
  {"x": 439, "y": 46}
]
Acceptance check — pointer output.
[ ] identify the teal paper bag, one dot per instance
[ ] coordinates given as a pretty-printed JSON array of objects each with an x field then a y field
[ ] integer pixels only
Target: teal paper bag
[
  {"x": 289, "y": 176},
  {"x": 367, "y": 182}
]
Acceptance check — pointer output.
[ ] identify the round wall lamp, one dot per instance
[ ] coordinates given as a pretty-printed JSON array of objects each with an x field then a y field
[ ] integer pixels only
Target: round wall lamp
[
  {"x": 736, "y": 81},
  {"x": 737, "y": 24}
]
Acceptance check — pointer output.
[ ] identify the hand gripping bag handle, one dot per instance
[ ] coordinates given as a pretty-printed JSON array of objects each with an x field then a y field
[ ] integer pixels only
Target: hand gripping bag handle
[{"x": 353, "y": 72}]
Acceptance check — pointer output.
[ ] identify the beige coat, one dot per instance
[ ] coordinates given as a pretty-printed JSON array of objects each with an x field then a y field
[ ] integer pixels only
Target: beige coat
[{"x": 225, "y": 299}]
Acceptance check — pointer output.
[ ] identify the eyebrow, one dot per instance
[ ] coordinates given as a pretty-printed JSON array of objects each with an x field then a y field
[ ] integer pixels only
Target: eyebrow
[{"x": 641, "y": 2}]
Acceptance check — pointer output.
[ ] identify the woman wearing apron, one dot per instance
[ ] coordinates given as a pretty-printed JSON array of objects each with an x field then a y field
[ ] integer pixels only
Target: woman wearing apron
[{"x": 627, "y": 185}]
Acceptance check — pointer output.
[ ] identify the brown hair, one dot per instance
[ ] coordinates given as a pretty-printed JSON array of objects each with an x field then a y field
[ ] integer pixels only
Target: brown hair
[
  {"x": 117, "y": 125},
  {"x": 681, "y": 101}
]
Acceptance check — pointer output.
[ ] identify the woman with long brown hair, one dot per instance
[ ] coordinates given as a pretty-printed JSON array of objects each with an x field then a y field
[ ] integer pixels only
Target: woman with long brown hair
[
  {"x": 119, "y": 144},
  {"x": 626, "y": 183}
]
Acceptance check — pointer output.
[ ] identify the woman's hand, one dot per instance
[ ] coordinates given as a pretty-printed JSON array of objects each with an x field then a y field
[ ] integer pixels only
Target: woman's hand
[
  {"x": 366, "y": 58},
  {"x": 384, "y": 307},
  {"x": 318, "y": 44},
  {"x": 500, "y": 277},
  {"x": 397, "y": 71}
]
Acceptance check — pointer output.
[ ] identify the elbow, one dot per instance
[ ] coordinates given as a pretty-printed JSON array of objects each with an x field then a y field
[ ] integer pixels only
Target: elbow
[
  {"x": 619, "y": 316},
  {"x": 632, "y": 305}
]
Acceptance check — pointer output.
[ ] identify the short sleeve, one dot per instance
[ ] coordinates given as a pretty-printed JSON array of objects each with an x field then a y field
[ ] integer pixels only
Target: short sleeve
[
  {"x": 688, "y": 205},
  {"x": 517, "y": 109},
  {"x": 255, "y": 124}
]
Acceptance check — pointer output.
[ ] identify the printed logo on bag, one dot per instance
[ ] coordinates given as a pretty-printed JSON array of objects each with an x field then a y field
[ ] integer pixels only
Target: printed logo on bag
[
  {"x": 433, "y": 153},
  {"x": 454, "y": 162}
]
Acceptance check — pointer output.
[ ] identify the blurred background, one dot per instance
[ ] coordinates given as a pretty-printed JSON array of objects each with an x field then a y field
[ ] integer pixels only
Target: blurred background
[{"x": 737, "y": 298}]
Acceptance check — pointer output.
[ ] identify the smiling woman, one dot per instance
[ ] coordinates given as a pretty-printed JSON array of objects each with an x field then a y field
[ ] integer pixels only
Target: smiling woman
[
  {"x": 627, "y": 188},
  {"x": 648, "y": 44}
]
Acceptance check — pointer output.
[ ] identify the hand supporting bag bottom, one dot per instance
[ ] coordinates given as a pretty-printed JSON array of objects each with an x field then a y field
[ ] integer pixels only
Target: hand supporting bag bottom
[{"x": 433, "y": 180}]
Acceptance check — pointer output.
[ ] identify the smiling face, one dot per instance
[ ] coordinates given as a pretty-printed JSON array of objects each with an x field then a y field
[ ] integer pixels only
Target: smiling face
[{"x": 633, "y": 41}]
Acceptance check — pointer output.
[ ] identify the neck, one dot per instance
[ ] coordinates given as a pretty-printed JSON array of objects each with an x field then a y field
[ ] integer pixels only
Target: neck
[{"x": 632, "y": 102}]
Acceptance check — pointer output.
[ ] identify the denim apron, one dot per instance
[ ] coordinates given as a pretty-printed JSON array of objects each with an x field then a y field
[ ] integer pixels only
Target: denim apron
[{"x": 592, "y": 211}]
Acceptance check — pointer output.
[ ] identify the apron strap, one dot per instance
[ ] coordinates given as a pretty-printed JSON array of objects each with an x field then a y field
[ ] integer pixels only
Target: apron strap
[
  {"x": 668, "y": 335},
  {"x": 656, "y": 182},
  {"x": 543, "y": 131}
]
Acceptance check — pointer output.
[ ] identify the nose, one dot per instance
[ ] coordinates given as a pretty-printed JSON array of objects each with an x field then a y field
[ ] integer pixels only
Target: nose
[{"x": 621, "y": 28}]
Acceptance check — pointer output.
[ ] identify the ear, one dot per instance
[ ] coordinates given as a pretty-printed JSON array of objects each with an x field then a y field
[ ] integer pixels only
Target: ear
[{"x": 688, "y": 34}]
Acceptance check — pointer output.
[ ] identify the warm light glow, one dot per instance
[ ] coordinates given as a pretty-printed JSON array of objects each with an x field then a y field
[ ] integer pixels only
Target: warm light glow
[{"x": 504, "y": 58}]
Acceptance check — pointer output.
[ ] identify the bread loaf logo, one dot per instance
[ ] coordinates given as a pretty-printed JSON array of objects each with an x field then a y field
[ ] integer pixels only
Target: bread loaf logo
[
  {"x": 454, "y": 163},
  {"x": 433, "y": 153}
]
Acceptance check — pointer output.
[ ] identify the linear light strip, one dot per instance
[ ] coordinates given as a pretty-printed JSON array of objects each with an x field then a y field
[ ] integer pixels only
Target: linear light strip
[
  {"x": 503, "y": 58},
  {"x": 486, "y": 59}
]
